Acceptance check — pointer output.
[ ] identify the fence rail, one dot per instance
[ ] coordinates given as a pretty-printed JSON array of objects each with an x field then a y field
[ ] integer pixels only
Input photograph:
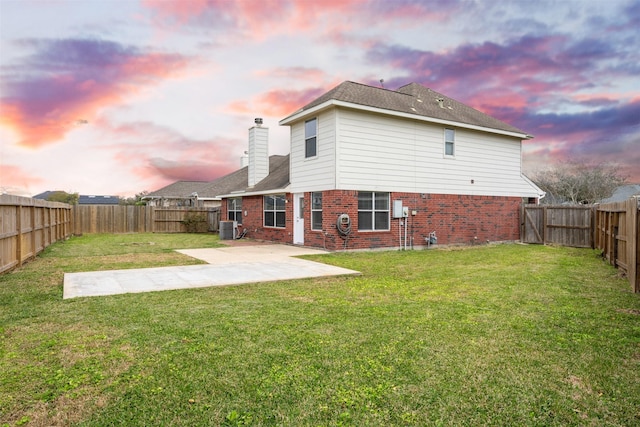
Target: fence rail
[
  {"x": 28, "y": 226},
  {"x": 139, "y": 219},
  {"x": 612, "y": 228}
]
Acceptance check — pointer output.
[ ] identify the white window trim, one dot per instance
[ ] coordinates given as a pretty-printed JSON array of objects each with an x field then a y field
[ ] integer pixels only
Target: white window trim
[
  {"x": 229, "y": 202},
  {"x": 306, "y": 138},
  {"x": 444, "y": 145},
  {"x": 312, "y": 210},
  {"x": 275, "y": 211},
  {"x": 373, "y": 211}
]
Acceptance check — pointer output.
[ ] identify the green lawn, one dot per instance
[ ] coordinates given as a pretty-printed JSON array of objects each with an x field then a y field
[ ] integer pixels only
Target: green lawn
[{"x": 492, "y": 335}]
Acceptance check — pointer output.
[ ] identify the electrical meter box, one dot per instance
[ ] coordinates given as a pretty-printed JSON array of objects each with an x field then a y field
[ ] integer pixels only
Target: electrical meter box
[{"x": 398, "y": 211}]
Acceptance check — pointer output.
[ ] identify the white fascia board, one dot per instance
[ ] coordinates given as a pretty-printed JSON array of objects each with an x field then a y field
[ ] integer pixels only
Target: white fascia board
[
  {"x": 254, "y": 193},
  {"x": 539, "y": 190},
  {"x": 334, "y": 103}
]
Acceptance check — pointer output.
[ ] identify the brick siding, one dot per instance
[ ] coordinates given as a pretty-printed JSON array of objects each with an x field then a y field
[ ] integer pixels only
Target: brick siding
[{"x": 456, "y": 219}]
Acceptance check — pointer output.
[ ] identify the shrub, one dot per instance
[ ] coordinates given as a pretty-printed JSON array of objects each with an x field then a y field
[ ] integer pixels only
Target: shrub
[{"x": 195, "y": 222}]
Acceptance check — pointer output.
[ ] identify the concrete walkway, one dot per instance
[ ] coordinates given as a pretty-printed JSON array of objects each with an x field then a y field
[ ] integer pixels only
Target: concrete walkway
[{"x": 226, "y": 266}]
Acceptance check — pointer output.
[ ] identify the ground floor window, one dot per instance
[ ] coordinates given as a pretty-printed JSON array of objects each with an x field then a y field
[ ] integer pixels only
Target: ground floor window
[
  {"x": 274, "y": 211},
  {"x": 373, "y": 211},
  {"x": 234, "y": 208},
  {"x": 316, "y": 211}
]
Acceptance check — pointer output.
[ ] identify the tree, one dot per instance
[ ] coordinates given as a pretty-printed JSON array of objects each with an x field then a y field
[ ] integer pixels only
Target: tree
[
  {"x": 579, "y": 183},
  {"x": 64, "y": 197},
  {"x": 137, "y": 200}
]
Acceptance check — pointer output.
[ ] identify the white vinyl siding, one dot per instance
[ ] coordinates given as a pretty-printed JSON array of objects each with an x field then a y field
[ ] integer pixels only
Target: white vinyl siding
[
  {"x": 315, "y": 173},
  {"x": 381, "y": 153}
]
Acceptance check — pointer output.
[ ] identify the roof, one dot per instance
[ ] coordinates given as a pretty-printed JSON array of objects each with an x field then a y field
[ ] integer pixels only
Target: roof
[
  {"x": 413, "y": 100},
  {"x": 83, "y": 199},
  {"x": 98, "y": 200},
  {"x": 177, "y": 190},
  {"x": 278, "y": 179},
  {"x": 235, "y": 182},
  {"x": 622, "y": 193},
  {"x": 44, "y": 196}
]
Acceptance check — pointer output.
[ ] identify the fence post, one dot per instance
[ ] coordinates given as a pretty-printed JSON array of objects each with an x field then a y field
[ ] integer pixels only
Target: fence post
[
  {"x": 32, "y": 218},
  {"x": 19, "y": 235},
  {"x": 633, "y": 243}
]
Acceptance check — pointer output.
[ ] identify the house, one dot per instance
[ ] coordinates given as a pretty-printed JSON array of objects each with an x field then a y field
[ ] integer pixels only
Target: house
[
  {"x": 98, "y": 200},
  {"x": 623, "y": 193},
  {"x": 376, "y": 168},
  {"x": 82, "y": 199},
  {"x": 198, "y": 193},
  {"x": 179, "y": 194}
]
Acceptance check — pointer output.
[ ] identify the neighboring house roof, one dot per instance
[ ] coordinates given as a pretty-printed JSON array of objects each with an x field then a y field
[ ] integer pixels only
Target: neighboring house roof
[
  {"x": 177, "y": 190},
  {"x": 412, "y": 100},
  {"x": 622, "y": 193},
  {"x": 83, "y": 199},
  {"x": 44, "y": 196},
  {"x": 98, "y": 200}
]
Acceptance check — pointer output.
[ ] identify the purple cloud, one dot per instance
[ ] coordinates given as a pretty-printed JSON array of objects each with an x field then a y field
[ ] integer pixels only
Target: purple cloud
[
  {"x": 517, "y": 79},
  {"x": 64, "y": 80}
]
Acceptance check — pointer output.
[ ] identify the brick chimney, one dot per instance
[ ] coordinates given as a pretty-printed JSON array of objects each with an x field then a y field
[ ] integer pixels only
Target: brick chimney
[{"x": 258, "y": 153}]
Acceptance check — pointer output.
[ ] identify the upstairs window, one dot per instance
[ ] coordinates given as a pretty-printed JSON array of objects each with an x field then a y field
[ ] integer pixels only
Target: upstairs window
[
  {"x": 316, "y": 211},
  {"x": 449, "y": 142},
  {"x": 373, "y": 211},
  {"x": 310, "y": 138},
  {"x": 234, "y": 209},
  {"x": 274, "y": 211}
]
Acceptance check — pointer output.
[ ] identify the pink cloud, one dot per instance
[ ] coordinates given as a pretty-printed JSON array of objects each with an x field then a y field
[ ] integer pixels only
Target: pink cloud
[
  {"x": 278, "y": 102},
  {"x": 162, "y": 155},
  {"x": 332, "y": 20},
  {"x": 306, "y": 74},
  {"x": 15, "y": 179},
  {"x": 65, "y": 80}
]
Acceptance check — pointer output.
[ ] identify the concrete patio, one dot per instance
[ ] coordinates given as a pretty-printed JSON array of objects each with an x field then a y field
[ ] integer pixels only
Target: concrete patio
[{"x": 231, "y": 265}]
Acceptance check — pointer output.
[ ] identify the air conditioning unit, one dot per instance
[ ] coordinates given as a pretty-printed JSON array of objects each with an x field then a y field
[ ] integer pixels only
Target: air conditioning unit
[{"x": 228, "y": 230}]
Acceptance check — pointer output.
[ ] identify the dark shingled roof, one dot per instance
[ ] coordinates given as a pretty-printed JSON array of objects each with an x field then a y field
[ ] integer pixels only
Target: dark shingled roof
[
  {"x": 178, "y": 190},
  {"x": 277, "y": 179},
  {"x": 98, "y": 200},
  {"x": 278, "y": 175},
  {"x": 237, "y": 181},
  {"x": 411, "y": 99}
]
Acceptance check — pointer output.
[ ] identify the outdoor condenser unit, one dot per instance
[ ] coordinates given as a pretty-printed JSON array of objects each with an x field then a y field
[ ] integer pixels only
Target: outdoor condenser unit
[{"x": 228, "y": 230}]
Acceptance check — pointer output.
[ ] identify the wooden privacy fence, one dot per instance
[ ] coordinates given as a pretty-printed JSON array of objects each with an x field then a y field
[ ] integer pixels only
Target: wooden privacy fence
[
  {"x": 612, "y": 228},
  {"x": 616, "y": 235},
  {"x": 27, "y": 226},
  {"x": 140, "y": 219},
  {"x": 560, "y": 225}
]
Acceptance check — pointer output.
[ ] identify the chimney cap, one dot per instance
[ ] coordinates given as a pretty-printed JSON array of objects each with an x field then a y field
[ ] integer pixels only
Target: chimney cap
[{"x": 258, "y": 120}]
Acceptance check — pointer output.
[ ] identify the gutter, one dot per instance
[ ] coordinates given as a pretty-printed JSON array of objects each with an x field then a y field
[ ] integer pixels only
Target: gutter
[{"x": 254, "y": 193}]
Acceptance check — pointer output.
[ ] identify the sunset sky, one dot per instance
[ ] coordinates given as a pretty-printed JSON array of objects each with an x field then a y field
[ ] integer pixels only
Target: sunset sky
[{"x": 121, "y": 96}]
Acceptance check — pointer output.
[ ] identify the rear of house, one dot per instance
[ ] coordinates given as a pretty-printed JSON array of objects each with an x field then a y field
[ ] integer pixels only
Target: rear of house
[{"x": 374, "y": 168}]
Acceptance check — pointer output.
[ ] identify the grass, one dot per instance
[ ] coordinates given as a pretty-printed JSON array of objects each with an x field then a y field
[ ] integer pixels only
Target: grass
[{"x": 492, "y": 335}]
